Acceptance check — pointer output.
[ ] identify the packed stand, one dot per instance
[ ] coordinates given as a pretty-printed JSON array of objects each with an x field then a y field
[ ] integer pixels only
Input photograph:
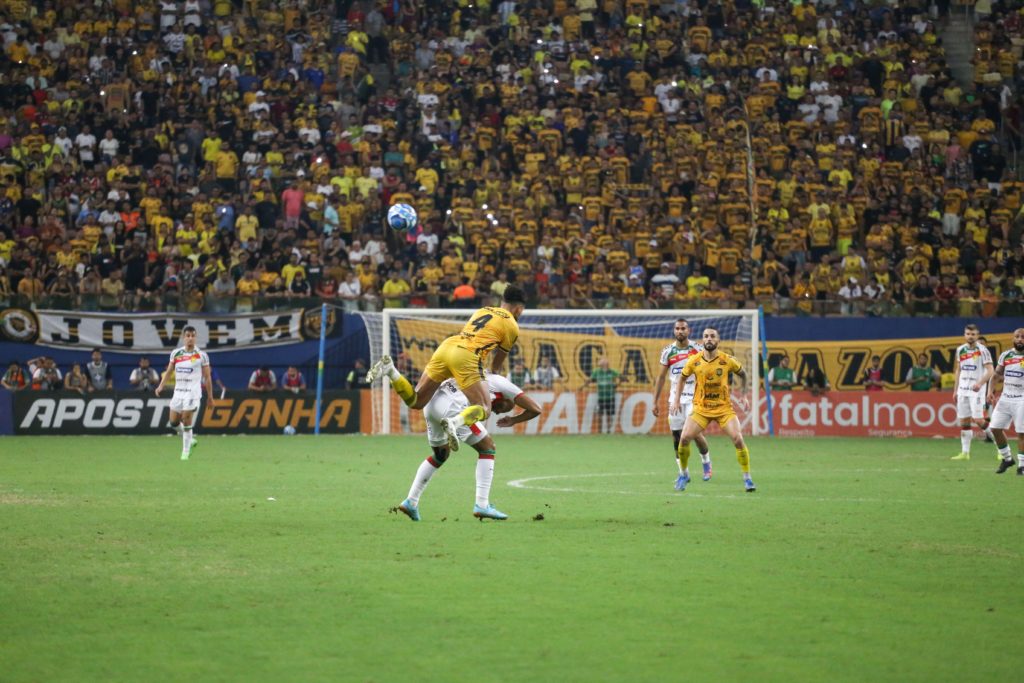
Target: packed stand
[{"x": 814, "y": 159}]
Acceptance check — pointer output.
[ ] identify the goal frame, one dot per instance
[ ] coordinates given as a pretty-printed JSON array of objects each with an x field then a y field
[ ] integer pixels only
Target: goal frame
[{"x": 753, "y": 372}]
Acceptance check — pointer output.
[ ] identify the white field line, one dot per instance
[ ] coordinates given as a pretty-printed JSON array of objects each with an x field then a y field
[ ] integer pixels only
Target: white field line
[{"x": 528, "y": 484}]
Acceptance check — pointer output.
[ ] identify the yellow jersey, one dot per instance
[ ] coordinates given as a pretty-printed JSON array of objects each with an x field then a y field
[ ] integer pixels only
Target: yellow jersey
[
  {"x": 489, "y": 328},
  {"x": 711, "y": 393}
]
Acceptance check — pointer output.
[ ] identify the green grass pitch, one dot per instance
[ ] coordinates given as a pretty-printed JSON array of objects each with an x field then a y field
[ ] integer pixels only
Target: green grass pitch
[{"x": 277, "y": 559}]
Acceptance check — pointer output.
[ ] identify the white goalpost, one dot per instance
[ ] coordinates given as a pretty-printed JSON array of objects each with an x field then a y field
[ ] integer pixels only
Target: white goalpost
[{"x": 571, "y": 342}]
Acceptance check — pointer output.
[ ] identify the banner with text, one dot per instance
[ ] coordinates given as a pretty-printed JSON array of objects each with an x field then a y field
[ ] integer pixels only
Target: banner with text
[
  {"x": 149, "y": 332},
  {"x": 795, "y": 413},
  {"x": 115, "y": 413}
]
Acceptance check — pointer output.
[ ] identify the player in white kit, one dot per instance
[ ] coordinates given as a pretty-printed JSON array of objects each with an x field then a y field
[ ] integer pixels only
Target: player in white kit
[
  {"x": 448, "y": 402},
  {"x": 973, "y": 371},
  {"x": 680, "y": 400},
  {"x": 1010, "y": 409},
  {"x": 191, "y": 368}
]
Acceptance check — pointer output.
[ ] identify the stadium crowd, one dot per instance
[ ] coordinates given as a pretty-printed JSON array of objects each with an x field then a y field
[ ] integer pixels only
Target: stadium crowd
[{"x": 210, "y": 155}]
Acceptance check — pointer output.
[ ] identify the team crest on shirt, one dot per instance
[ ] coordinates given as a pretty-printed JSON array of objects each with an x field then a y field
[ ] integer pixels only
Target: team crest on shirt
[{"x": 718, "y": 372}]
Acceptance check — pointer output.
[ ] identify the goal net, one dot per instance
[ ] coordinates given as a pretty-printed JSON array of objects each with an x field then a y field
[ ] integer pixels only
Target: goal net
[{"x": 557, "y": 352}]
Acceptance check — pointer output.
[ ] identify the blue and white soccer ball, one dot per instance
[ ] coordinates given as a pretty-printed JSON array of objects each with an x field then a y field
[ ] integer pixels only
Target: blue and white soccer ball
[
  {"x": 289, "y": 431},
  {"x": 402, "y": 217}
]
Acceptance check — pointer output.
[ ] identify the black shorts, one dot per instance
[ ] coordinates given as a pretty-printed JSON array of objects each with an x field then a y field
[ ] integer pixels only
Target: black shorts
[{"x": 606, "y": 406}]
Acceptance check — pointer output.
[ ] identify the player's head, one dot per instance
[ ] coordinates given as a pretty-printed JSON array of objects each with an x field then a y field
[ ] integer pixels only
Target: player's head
[
  {"x": 189, "y": 335},
  {"x": 971, "y": 333},
  {"x": 97, "y": 355},
  {"x": 922, "y": 359},
  {"x": 710, "y": 338},
  {"x": 502, "y": 405},
  {"x": 784, "y": 361},
  {"x": 682, "y": 330},
  {"x": 513, "y": 300},
  {"x": 1018, "y": 340},
  {"x": 876, "y": 360}
]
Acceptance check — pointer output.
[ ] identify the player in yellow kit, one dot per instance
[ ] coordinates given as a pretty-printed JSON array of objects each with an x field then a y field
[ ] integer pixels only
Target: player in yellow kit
[
  {"x": 491, "y": 331},
  {"x": 711, "y": 403}
]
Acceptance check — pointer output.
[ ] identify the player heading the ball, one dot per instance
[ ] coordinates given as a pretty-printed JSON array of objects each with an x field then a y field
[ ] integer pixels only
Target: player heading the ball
[
  {"x": 711, "y": 402},
  {"x": 491, "y": 331}
]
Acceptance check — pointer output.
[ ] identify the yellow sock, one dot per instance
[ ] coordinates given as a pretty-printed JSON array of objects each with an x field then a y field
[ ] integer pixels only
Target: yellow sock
[
  {"x": 683, "y": 454},
  {"x": 472, "y": 414},
  {"x": 403, "y": 388},
  {"x": 743, "y": 458}
]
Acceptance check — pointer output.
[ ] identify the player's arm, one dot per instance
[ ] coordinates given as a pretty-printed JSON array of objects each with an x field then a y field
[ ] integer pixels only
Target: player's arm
[
  {"x": 498, "y": 357},
  {"x": 956, "y": 376},
  {"x": 164, "y": 376},
  {"x": 997, "y": 379},
  {"x": 659, "y": 385},
  {"x": 208, "y": 381},
  {"x": 530, "y": 410},
  {"x": 980, "y": 384}
]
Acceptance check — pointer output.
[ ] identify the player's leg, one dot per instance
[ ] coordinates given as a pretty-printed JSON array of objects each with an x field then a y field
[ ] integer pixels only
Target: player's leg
[
  {"x": 482, "y": 508},
  {"x": 731, "y": 426},
  {"x": 424, "y": 473},
  {"x": 440, "y": 406},
  {"x": 469, "y": 375},
  {"x": 1002, "y": 416},
  {"x": 692, "y": 428},
  {"x": 415, "y": 398},
  {"x": 186, "y": 433},
  {"x": 702, "y": 447},
  {"x": 964, "y": 414}
]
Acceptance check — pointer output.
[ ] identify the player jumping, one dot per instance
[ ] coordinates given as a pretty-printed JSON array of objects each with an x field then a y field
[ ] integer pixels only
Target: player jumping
[
  {"x": 1010, "y": 408},
  {"x": 680, "y": 401},
  {"x": 191, "y": 368},
  {"x": 449, "y": 402},
  {"x": 490, "y": 331},
  {"x": 711, "y": 402},
  {"x": 973, "y": 371}
]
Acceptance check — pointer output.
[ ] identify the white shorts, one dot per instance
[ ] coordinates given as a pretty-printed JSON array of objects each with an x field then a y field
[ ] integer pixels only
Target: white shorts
[
  {"x": 970, "y": 404},
  {"x": 1007, "y": 412},
  {"x": 185, "y": 403},
  {"x": 676, "y": 422},
  {"x": 444, "y": 405}
]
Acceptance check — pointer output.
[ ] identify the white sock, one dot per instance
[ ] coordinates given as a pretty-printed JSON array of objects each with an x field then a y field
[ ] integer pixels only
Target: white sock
[
  {"x": 186, "y": 438},
  {"x": 705, "y": 458},
  {"x": 679, "y": 465},
  {"x": 1005, "y": 453},
  {"x": 988, "y": 434},
  {"x": 420, "y": 481},
  {"x": 458, "y": 421},
  {"x": 1020, "y": 459},
  {"x": 965, "y": 440},
  {"x": 686, "y": 472},
  {"x": 484, "y": 477},
  {"x": 392, "y": 371}
]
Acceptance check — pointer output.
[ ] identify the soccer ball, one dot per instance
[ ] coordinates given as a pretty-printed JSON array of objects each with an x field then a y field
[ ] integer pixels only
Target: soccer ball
[
  {"x": 402, "y": 217},
  {"x": 289, "y": 431}
]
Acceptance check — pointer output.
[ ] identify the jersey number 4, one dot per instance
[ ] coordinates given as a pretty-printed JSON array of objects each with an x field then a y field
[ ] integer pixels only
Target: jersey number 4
[{"x": 481, "y": 322}]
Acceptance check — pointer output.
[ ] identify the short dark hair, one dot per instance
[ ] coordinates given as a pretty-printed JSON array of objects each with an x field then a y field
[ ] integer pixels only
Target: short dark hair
[
  {"x": 188, "y": 328},
  {"x": 513, "y": 295},
  {"x": 970, "y": 327}
]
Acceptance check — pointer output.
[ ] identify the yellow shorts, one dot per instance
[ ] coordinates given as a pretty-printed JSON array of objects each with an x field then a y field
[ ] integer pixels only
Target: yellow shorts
[
  {"x": 705, "y": 420},
  {"x": 452, "y": 360}
]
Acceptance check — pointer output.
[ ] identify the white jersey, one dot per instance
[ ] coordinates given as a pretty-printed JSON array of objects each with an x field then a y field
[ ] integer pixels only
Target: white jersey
[
  {"x": 674, "y": 357},
  {"x": 1012, "y": 363},
  {"x": 188, "y": 370},
  {"x": 449, "y": 401},
  {"x": 972, "y": 365}
]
